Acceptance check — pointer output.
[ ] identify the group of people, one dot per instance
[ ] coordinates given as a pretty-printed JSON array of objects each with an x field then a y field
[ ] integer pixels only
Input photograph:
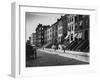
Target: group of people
[{"x": 60, "y": 46}]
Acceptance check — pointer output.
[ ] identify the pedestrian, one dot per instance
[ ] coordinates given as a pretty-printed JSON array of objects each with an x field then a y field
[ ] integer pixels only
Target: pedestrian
[
  {"x": 55, "y": 47},
  {"x": 64, "y": 47},
  {"x": 60, "y": 47}
]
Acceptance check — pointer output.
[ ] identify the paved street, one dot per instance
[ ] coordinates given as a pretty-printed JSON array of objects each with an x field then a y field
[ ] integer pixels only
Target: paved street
[
  {"x": 51, "y": 59},
  {"x": 81, "y": 56}
]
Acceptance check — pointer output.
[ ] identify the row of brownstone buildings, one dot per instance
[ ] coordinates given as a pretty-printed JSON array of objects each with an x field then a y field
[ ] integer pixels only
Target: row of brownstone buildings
[{"x": 71, "y": 30}]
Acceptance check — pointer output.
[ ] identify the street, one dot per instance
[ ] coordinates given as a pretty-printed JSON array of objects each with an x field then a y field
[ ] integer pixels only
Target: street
[{"x": 51, "y": 59}]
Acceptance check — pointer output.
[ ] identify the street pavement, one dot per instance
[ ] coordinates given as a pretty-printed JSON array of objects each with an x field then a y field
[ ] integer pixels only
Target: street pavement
[
  {"x": 81, "y": 56},
  {"x": 55, "y": 58}
]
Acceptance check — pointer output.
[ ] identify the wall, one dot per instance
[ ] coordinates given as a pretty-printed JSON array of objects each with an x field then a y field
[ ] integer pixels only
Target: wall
[{"x": 5, "y": 41}]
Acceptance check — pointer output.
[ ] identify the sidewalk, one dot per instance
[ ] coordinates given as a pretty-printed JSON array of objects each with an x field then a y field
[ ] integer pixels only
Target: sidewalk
[
  {"x": 81, "y": 56},
  {"x": 68, "y": 51}
]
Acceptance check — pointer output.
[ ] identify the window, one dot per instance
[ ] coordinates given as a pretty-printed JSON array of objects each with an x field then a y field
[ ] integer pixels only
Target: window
[
  {"x": 71, "y": 19},
  {"x": 67, "y": 20},
  {"x": 50, "y": 35},
  {"x": 48, "y": 31},
  {"x": 60, "y": 31},
  {"x": 59, "y": 38}
]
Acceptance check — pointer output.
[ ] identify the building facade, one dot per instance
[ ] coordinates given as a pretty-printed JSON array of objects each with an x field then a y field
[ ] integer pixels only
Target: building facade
[
  {"x": 71, "y": 27},
  {"x": 78, "y": 33},
  {"x": 82, "y": 27},
  {"x": 49, "y": 35},
  {"x": 46, "y": 33},
  {"x": 43, "y": 34},
  {"x": 33, "y": 39},
  {"x": 39, "y": 35},
  {"x": 62, "y": 29},
  {"x": 54, "y": 33}
]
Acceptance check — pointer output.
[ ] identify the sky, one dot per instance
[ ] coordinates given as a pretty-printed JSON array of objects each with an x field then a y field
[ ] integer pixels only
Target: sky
[{"x": 33, "y": 19}]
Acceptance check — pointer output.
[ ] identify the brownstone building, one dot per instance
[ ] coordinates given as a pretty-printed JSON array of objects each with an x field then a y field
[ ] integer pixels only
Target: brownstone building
[
  {"x": 54, "y": 33},
  {"x": 33, "y": 38},
  {"x": 78, "y": 32},
  {"x": 46, "y": 27},
  {"x": 39, "y": 35},
  {"x": 62, "y": 28}
]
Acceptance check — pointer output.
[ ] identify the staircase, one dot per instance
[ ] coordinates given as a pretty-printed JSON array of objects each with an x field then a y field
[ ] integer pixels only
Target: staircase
[
  {"x": 83, "y": 46},
  {"x": 71, "y": 45},
  {"x": 79, "y": 43}
]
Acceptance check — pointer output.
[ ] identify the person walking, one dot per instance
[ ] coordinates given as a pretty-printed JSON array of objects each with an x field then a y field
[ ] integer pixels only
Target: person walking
[{"x": 64, "y": 47}]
